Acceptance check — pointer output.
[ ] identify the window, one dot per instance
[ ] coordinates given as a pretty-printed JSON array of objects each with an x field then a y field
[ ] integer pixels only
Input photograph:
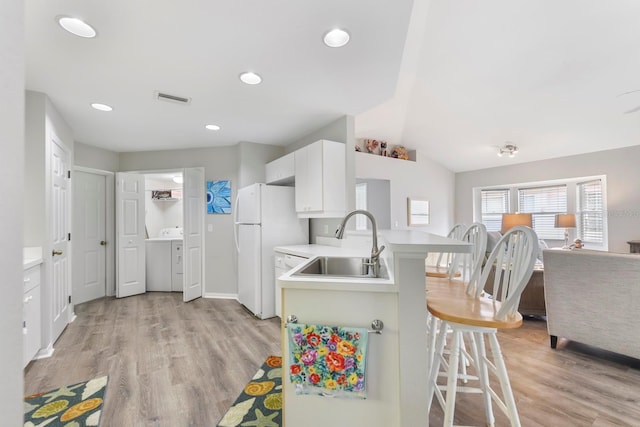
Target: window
[
  {"x": 544, "y": 203},
  {"x": 494, "y": 204},
  {"x": 584, "y": 196},
  {"x": 590, "y": 212}
]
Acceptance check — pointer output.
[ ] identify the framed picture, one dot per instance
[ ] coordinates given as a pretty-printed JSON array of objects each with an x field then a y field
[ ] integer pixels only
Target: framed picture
[
  {"x": 417, "y": 212},
  {"x": 219, "y": 197}
]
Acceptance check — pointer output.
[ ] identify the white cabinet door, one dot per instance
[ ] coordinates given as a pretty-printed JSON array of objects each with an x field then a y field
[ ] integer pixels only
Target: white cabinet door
[
  {"x": 31, "y": 325},
  {"x": 280, "y": 171},
  {"x": 130, "y": 235},
  {"x": 321, "y": 180}
]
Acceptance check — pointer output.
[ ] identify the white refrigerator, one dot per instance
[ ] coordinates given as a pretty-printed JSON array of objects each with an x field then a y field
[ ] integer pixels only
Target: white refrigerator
[{"x": 264, "y": 217}]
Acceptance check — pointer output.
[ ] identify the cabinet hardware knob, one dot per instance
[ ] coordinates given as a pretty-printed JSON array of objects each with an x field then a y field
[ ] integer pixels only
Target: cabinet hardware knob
[{"x": 103, "y": 242}]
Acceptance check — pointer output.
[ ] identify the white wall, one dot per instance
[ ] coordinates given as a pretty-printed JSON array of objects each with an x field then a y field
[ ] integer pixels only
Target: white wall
[
  {"x": 422, "y": 179},
  {"x": 623, "y": 192},
  {"x": 12, "y": 150},
  {"x": 161, "y": 213},
  {"x": 95, "y": 158}
]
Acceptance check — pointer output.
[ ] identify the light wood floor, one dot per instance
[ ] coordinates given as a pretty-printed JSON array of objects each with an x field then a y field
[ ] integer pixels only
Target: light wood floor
[{"x": 175, "y": 364}]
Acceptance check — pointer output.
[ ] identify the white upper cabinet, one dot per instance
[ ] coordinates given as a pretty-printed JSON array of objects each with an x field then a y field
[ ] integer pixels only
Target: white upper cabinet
[
  {"x": 281, "y": 171},
  {"x": 320, "y": 178}
]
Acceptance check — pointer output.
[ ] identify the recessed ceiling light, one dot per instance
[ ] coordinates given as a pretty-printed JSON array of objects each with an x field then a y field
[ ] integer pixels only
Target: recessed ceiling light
[
  {"x": 250, "y": 78},
  {"x": 213, "y": 127},
  {"x": 76, "y": 26},
  {"x": 178, "y": 179},
  {"x": 336, "y": 38},
  {"x": 101, "y": 107}
]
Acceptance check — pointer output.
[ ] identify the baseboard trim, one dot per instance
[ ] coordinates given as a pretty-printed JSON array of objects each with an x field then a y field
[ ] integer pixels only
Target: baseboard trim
[
  {"x": 217, "y": 295},
  {"x": 44, "y": 353}
]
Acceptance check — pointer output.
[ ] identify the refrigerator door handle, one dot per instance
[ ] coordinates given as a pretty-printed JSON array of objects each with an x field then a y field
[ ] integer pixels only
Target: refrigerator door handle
[{"x": 235, "y": 223}]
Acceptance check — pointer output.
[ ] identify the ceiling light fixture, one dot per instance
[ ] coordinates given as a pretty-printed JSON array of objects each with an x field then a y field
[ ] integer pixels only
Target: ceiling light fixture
[
  {"x": 509, "y": 149},
  {"x": 102, "y": 107},
  {"x": 250, "y": 78},
  {"x": 76, "y": 27},
  {"x": 212, "y": 127},
  {"x": 336, "y": 38},
  {"x": 178, "y": 179}
]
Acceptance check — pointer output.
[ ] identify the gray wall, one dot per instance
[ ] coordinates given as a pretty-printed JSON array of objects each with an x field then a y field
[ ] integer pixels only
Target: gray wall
[
  {"x": 34, "y": 177},
  {"x": 12, "y": 150},
  {"x": 623, "y": 191},
  {"x": 251, "y": 160},
  {"x": 378, "y": 201},
  {"x": 219, "y": 164},
  {"x": 340, "y": 130},
  {"x": 95, "y": 158},
  {"x": 246, "y": 160}
]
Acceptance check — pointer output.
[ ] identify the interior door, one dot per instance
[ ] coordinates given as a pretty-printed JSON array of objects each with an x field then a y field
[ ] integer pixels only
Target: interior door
[
  {"x": 89, "y": 236},
  {"x": 130, "y": 235},
  {"x": 193, "y": 247},
  {"x": 60, "y": 221}
]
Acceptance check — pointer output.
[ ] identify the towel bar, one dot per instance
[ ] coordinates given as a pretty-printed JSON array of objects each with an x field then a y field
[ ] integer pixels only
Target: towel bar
[{"x": 376, "y": 324}]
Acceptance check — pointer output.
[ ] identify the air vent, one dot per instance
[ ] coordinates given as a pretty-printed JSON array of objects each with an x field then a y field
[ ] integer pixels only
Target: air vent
[{"x": 172, "y": 98}]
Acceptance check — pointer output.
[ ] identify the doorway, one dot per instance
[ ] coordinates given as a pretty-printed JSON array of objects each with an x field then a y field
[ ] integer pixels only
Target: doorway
[
  {"x": 93, "y": 234},
  {"x": 154, "y": 213}
]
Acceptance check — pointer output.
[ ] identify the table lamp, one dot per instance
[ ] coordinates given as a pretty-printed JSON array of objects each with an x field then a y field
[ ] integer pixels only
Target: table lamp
[
  {"x": 566, "y": 221},
  {"x": 510, "y": 220}
]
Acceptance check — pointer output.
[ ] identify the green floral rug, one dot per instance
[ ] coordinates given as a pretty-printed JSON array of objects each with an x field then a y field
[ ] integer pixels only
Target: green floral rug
[
  {"x": 260, "y": 403},
  {"x": 76, "y": 405}
]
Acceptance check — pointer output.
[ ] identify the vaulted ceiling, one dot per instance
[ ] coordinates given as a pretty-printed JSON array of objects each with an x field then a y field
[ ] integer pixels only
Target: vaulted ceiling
[{"x": 454, "y": 79}]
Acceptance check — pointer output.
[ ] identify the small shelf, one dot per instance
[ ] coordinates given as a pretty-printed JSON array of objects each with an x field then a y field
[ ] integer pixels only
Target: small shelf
[{"x": 166, "y": 195}]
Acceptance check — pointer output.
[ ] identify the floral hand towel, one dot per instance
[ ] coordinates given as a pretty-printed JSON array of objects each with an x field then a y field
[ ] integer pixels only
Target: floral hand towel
[{"x": 328, "y": 360}]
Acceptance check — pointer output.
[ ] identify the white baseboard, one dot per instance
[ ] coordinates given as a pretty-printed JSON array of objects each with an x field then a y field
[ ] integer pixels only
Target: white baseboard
[
  {"x": 44, "y": 353},
  {"x": 219, "y": 295}
]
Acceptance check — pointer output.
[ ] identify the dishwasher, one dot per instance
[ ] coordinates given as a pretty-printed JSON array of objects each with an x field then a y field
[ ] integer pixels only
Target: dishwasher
[{"x": 283, "y": 263}]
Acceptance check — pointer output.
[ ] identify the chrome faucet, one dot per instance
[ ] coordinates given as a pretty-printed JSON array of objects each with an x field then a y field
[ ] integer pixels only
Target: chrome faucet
[{"x": 374, "y": 261}]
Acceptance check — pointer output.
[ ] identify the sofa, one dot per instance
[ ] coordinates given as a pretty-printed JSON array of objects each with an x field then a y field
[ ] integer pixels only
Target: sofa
[{"x": 593, "y": 297}]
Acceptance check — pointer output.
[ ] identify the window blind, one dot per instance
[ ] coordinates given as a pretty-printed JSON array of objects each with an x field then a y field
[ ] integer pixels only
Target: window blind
[
  {"x": 544, "y": 203},
  {"x": 590, "y": 219},
  {"x": 494, "y": 204}
]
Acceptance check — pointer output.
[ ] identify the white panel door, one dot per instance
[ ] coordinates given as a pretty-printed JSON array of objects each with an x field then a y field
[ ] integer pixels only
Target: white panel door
[
  {"x": 89, "y": 230},
  {"x": 60, "y": 221},
  {"x": 193, "y": 246},
  {"x": 130, "y": 235},
  {"x": 249, "y": 268}
]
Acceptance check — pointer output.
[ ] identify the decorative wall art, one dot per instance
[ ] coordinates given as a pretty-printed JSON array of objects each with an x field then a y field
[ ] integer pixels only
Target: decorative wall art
[
  {"x": 417, "y": 212},
  {"x": 219, "y": 197}
]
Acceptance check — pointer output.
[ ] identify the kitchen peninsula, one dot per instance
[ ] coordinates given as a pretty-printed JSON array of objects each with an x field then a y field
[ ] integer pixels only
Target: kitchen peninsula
[{"x": 396, "y": 359}]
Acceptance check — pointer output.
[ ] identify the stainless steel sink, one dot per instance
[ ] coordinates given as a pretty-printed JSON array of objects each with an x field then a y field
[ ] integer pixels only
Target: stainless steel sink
[{"x": 355, "y": 267}]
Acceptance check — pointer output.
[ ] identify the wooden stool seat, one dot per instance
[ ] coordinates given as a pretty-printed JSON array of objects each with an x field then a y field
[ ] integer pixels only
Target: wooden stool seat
[
  {"x": 439, "y": 271},
  {"x": 451, "y": 306}
]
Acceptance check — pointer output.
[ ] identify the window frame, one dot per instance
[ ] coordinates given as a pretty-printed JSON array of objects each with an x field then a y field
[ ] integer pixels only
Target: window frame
[{"x": 572, "y": 204}]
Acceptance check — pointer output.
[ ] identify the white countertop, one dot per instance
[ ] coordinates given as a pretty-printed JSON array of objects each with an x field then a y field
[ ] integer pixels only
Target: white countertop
[
  {"x": 420, "y": 241},
  {"x": 309, "y": 251},
  {"x": 31, "y": 257},
  {"x": 164, "y": 239}
]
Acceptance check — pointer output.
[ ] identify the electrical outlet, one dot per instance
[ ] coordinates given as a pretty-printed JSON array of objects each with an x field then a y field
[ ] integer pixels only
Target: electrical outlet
[
  {"x": 325, "y": 229},
  {"x": 209, "y": 227}
]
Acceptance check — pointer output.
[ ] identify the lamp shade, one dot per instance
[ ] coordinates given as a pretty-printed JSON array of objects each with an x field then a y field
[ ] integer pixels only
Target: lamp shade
[
  {"x": 510, "y": 220},
  {"x": 565, "y": 221}
]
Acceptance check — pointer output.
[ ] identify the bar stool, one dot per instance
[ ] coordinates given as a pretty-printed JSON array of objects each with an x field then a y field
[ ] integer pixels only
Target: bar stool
[
  {"x": 468, "y": 268},
  {"x": 482, "y": 316},
  {"x": 443, "y": 265}
]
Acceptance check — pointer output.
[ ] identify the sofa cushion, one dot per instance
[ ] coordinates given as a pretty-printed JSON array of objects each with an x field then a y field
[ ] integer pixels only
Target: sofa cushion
[{"x": 493, "y": 237}]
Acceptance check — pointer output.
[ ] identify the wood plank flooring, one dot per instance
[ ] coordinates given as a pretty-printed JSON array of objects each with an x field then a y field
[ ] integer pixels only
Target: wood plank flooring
[{"x": 175, "y": 364}]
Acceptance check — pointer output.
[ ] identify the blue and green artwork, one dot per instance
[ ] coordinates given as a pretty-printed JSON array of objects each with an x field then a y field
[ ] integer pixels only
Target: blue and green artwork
[{"x": 219, "y": 197}]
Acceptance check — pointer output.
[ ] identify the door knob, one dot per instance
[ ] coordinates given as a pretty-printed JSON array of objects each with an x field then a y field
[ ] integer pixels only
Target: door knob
[
  {"x": 54, "y": 252},
  {"x": 103, "y": 243}
]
